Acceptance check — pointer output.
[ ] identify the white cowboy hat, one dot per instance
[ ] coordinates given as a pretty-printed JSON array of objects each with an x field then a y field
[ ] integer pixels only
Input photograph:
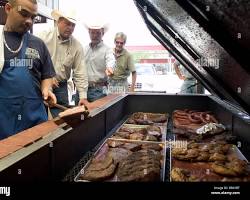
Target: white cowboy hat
[
  {"x": 68, "y": 14},
  {"x": 96, "y": 24}
]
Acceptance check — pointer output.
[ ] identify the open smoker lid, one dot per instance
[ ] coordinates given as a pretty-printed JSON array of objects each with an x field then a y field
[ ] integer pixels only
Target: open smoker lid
[{"x": 210, "y": 38}]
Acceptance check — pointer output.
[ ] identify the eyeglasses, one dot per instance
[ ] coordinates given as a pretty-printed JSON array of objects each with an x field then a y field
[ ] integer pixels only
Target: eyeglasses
[
  {"x": 26, "y": 14},
  {"x": 117, "y": 42}
]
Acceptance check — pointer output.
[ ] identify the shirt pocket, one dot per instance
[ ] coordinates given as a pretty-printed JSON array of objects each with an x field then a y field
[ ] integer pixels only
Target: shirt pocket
[{"x": 68, "y": 62}]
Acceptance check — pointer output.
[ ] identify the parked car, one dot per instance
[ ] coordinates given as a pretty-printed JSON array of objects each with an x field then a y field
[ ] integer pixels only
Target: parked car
[{"x": 148, "y": 80}]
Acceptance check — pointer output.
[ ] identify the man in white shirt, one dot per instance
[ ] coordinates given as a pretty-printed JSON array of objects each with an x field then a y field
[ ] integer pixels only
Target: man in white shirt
[
  {"x": 67, "y": 55},
  {"x": 100, "y": 61}
]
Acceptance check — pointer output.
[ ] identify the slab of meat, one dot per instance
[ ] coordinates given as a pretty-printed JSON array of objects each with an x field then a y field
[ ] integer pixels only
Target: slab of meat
[
  {"x": 155, "y": 147},
  {"x": 119, "y": 154},
  {"x": 147, "y": 118},
  {"x": 132, "y": 146},
  {"x": 99, "y": 170},
  {"x": 142, "y": 165}
]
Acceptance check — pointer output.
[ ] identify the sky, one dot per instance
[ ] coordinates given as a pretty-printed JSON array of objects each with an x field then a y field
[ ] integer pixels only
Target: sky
[{"x": 121, "y": 15}]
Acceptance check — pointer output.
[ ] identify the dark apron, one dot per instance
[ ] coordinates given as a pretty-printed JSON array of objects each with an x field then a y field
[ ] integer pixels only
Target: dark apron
[{"x": 21, "y": 105}]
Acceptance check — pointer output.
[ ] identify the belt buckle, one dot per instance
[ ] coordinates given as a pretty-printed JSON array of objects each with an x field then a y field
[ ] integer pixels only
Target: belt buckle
[
  {"x": 91, "y": 84},
  {"x": 97, "y": 84},
  {"x": 94, "y": 85}
]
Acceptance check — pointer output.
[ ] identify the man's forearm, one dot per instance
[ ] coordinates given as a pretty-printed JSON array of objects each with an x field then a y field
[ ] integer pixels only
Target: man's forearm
[
  {"x": 81, "y": 87},
  {"x": 46, "y": 89},
  {"x": 133, "y": 79},
  {"x": 46, "y": 84},
  {"x": 177, "y": 70}
]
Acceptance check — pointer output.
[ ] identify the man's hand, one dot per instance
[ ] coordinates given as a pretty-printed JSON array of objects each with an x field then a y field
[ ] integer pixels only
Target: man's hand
[
  {"x": 109, "y": 71},
  {"x": 49, "y": 96},
  {"x": 55, "y": 83},
  {"x": 83, "y": 102},
  {"x": 132, "y": 89},
  {"x": 183, "y": 77}
]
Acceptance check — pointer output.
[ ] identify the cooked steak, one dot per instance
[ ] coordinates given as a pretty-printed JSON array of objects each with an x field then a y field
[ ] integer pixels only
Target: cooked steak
[
  {"x": 136, "y": 136},
  {"x": 154, "y": 130},
  {"x": 132, "y": 146},
  {"x": 101, "y": 164},
  {"x": 99, "y": 170},
  {"x": 134, "y": 130},
  {"x": 100, "y": 175},
  {"x": 119, "y": 154},
  {"x": 232, "y": 167},
  {"x": 150, "y": 138},
  {"x": 179, "y": 175},
  {"x": 124, "y": 134},
  {"x": 113, "y": 143},
  {"x": 155, "y": 147},
  {"x": 147, "y": 118},
  {"x": 131, "y": 121},
  {"x": 159, "y": 118},
  {"x": 142, "y": 165},
  {"x": 144, "y": 122},
  {"x": 182, "y": 175},
  {"x": 217, "y": 157}
]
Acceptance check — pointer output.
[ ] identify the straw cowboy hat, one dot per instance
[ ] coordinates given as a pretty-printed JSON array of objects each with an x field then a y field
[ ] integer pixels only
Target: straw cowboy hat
[
  {"x": 68, "y": 14},
  {"x": 96, "y": 24}
]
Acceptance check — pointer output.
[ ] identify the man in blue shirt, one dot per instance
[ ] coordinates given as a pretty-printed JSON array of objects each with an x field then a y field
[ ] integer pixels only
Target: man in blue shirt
[{"x": 26, "y": 71}]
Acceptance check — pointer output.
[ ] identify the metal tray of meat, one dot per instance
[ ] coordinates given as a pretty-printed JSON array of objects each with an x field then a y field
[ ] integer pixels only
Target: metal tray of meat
[
  {"x": 146, "y": 118},
  {"x": 124, "y": 161},
  {"x": 235, "y": 168},
  {"x": 156, "y": 133}
]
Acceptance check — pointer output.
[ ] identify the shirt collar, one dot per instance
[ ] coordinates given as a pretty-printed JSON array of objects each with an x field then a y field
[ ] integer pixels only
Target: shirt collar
[
  {"x": 120, "y": 54},
  {"x": 97, "y": 46}
]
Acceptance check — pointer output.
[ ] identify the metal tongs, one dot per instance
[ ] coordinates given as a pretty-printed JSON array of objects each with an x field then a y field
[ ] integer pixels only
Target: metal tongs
[{"x": 56, "y": 105}]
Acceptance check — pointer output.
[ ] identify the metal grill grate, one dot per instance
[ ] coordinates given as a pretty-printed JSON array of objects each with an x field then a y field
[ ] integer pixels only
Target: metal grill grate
[
  {"x": 77, "y": 168},
  {"x": 170, "y": 135},
  {"x": 167, "y": 165},
  {"x": 83, "y": 161}
]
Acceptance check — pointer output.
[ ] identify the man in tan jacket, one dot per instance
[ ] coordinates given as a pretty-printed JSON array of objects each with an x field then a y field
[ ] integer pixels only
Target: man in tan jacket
[{"x": 67, "y": 56}]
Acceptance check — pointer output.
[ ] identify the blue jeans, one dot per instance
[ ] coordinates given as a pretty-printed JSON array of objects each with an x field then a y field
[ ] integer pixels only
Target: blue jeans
[
  {"x": 95, "y": 93},
  {"x": 76, "y": 98},
  {"x": 62, "y": 98}
]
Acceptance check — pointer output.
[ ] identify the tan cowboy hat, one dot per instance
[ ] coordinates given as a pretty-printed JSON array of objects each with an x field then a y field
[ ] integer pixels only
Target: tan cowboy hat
[
  {"x": 68, "y": 14},
  {"x": 96, "y": 24}
]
